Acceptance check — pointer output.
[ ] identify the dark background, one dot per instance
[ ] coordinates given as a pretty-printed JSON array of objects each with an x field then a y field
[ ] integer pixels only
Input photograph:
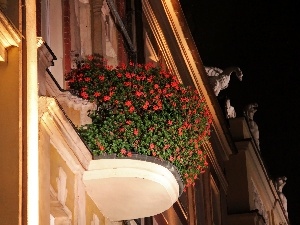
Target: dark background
[{"x": 262, "y": 38}]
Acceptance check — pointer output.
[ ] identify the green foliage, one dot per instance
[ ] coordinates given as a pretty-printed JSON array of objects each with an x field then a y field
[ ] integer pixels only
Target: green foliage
[{"x": 143, "y": 109}]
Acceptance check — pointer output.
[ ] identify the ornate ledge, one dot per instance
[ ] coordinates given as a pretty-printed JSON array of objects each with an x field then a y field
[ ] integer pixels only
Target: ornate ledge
[
  {"x": 76, "y": 108},
  {"x": 9, "y": 36},
  {"x": 130, "y": 188}
]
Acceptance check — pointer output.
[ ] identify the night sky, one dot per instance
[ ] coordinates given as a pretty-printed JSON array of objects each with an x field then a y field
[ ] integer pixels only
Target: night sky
[{"x": 263, "y": 39}]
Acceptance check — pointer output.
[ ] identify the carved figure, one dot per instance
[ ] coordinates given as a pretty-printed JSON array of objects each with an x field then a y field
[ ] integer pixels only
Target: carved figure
[
  {"x": 230, "y": 111},
  {"x": 219, "y": 79},
  {"x": 249, "y": 111},
  {"x": 279, "y": 184}
]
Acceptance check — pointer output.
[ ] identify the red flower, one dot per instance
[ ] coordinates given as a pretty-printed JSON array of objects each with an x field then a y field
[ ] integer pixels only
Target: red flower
[
  {"x": 123, "y": 151},
  {"x": 156, "y": 107},
  {"x": 166, "y": 147},
  {"x": 131, "y": 109},
  {"x": 128, "y": 75},
  {"x": 101, "y": 77},
  {"x": 143, "y": 96},
  {"x": 150, "y": 79},
  {"x": 146, "y": 105},
  {"x": 84, "y": 95},
  {"x": 180, "y": 131},
  {"x": 127, "y": 84},
  {"x": 174, "y": 85},
  {"x": 151, "y": 129},
  {"x": 128, "y": 103},
  {"x": 97, "y": 94},
  {"x": 106, "y": 98},
  {"x": 138, "y": 93}
]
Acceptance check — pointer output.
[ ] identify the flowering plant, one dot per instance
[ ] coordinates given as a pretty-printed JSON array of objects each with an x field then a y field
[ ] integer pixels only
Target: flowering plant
[{"x": 143, "y": 109}]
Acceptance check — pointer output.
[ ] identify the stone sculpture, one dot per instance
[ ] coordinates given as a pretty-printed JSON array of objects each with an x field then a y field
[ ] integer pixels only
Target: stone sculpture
[
  {"x": 219, "y": 79},
  {"x": 249, "y": 111},
  {"x": 230, "y": 111},
  {"x": 279, "y": 184}
]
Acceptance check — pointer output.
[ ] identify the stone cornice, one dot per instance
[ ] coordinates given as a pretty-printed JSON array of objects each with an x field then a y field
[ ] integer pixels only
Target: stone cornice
[
  {"x": 176, "y": 43},
  {"x": 9, "y": 36},
  {"x": 161, "y": 39},
  {"x": 45, "y": 55}
]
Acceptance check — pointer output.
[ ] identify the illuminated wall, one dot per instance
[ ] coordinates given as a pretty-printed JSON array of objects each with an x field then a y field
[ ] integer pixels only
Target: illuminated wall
[{"x": 10, "y": 138}]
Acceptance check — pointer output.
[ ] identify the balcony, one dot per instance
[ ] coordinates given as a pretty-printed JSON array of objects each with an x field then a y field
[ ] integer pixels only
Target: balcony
[{"x": 130, "y": 188}]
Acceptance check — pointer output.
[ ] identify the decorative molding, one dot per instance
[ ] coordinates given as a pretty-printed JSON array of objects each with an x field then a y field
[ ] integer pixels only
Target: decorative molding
[
  {"x": 45, "y": 55},
  {"x": 71, "y": 101},
  {"x": 59, "y": 213},
  {"x": 258, "y": 202},
  {"x": 192, "y": 61},
  {"x": 80, "y": 200},
  {"x": 192, "y": 66},
  {"x": 9, "y": 36},
  {"x": 161, "y": 39},
  {"x": 150, "y": 49},
  {"x": 95, "y": 220},
  {"x": 63, "y": 135},
  {"x": 62, "y": 191}
]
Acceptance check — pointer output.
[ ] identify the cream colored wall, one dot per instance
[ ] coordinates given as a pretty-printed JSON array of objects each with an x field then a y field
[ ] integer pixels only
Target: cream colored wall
[
  {"x": 44, "y": 174},
  {"x": 10, "y": 139},
  {"x": 92, "y": 209},
  {"x": 56, "y": 162}
]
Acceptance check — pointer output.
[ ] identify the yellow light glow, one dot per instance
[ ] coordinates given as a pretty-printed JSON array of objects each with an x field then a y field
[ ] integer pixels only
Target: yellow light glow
[{"x": 32, "y": 116}]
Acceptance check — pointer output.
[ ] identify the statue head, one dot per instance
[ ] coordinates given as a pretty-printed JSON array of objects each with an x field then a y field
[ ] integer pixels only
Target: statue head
[
  {"x": 239, "y": 74},
  {"x": 280, "y": 182},
  {"x": 249, "y": 110}
]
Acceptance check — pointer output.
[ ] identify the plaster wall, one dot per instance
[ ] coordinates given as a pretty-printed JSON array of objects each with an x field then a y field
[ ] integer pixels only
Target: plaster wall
[
  {"x": 74, "y": 201},
  {"x": 91, "y": 210},
  {"x": 52, "y": 28},
  {"x": 57, "y": 162},
  {"x": 236, "y": 173},
  {"x": 10, "y": 139},
  {"x": 44, "y": 169}
]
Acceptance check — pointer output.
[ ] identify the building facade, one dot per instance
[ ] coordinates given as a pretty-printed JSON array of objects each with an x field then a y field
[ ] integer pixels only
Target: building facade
[{"x": 46, "y": 167}]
